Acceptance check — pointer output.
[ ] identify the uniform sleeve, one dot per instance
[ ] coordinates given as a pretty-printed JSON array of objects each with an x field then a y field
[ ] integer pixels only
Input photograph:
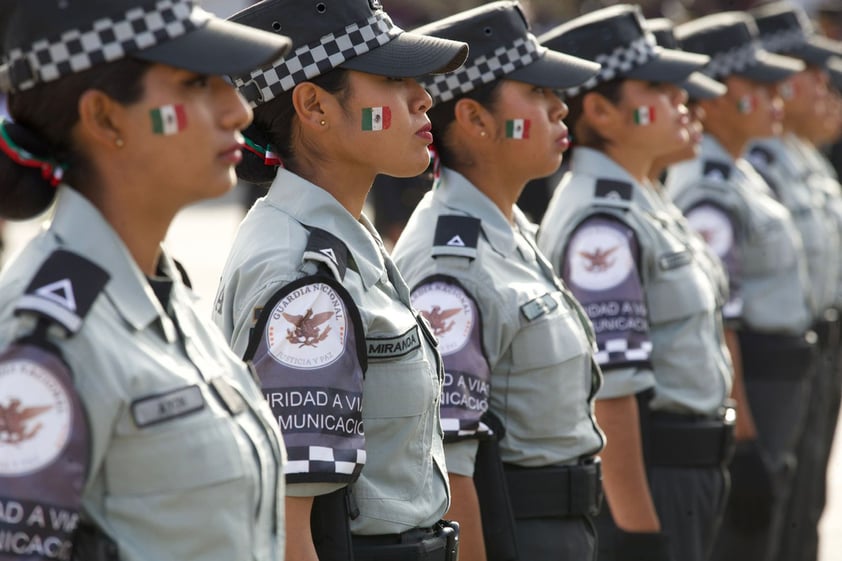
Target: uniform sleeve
[
  {"x": 309, "y": 354},
  {"x": 600, "y": 266},
  {"x": 455, "y": 320},
  {"x": 716, "y": 226}
]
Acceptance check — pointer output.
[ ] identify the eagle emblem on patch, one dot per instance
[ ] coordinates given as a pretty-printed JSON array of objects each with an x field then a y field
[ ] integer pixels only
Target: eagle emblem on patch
[
  {"x": 449, "y": 311},
  {"x": 599, "y": 257}
]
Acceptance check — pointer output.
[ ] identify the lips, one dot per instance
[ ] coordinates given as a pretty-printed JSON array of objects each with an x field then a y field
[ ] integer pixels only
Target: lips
[{"x": 425, "y": 132}]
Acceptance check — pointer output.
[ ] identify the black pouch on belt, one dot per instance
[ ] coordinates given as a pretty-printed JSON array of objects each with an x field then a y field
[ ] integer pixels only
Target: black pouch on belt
[
  {"x": 439, "y": 543},
  {"x": 330, "y": 525}
]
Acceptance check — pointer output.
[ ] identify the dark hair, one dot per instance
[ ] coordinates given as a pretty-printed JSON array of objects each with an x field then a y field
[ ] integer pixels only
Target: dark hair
[
  {"x": 442, "y": 116},
  {"x": 582, "y": 134},
  {"x": 273, "y": 125},
  {"x": 44, "y": 117}
]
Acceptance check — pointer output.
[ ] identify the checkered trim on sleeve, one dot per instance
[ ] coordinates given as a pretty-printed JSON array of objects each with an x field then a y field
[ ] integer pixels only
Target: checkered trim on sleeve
[
  {"x": 731, "y": 61},
  {"x": 617, "y": 351},
  {"x": 484, "y": 69},
  {"x": 318, "y": 57},
  {"x": 310, "y": 460},
  {"x": 462, "y": 428},
  {"x": 618, "y": 62},
  {"x": 105, "y": 40}
]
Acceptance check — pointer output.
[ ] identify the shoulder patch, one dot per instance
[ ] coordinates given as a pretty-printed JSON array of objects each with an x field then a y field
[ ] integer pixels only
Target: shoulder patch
[
  {"x": 456, "y": 235},
  {"x": 325, "y": 248},
  {"x": 613, "y": 193},
  {"x": 714, "y": 226},
  {"x": 450, "y": 312},
  {"x": 716, "y": 171},
  {"x": 599, "y": 256},
  {"x": 64, "y": 289}
]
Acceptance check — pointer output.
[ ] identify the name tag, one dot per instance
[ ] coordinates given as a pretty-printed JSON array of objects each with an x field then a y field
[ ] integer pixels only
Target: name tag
[
  {"x": 165, "y": 407},
  {"x": 539, "y": 306},
  {"x": 674, "y": 260},
  {"x": 391, "y": 347}
]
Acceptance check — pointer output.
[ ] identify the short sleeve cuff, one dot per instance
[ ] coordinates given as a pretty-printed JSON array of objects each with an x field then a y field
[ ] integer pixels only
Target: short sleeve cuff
[
  {"x": 461, "y": 457},
  {"x": 621, "y": 382}
]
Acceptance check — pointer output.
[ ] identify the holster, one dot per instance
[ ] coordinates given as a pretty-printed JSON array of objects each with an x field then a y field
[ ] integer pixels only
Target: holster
[
  {"x": 91, "y": 544},
  {"x": 492, "y": 490},
  {"x": 439, "y": 543},
  {"x": 330, "y": 525}
]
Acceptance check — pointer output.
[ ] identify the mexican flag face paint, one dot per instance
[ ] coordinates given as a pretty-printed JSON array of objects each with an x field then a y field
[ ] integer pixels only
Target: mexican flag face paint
[
  {"x": 517, "y": 129},
  {"x": 787, "y": 90},
  {"x": 644, "y": 115},
  {"x": 169, "y": 119},
  {"x": 376, "y": 118},
  {"x": 745, "y": 104}
]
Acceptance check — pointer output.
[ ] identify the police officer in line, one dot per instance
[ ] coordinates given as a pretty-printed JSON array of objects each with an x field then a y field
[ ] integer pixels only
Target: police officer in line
[
  {"x": 517, "y": 348},
  {"x": 815, "y": 204},
  {"x": 770, "y": 308},
  {"x": 126, "y": 422},
  {"x": 654, "y": 308},
  {"x": 310, "y": 296}
]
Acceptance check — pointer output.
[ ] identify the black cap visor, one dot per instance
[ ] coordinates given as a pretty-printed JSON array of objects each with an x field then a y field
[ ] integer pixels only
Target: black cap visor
[
  {"x": 556, "y": 70},
  {"x": 219, "y": 47},
  {"x": 817, "y": 50},
  {"x": 410, "y": 55},
  {"x": 770, "y": 68},
  {"x": 700, "y": 87},
  {"x": 668, "y": 66}
]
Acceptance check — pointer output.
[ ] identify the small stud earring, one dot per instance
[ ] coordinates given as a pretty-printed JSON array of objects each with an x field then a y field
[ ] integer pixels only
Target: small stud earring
[
  {"x": 322, "y": 122},
  {"x": 482, "y": 133},
  {"x": 119, "y": 142}
]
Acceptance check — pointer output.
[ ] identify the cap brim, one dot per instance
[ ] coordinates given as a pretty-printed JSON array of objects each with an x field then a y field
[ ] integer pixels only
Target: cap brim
[
  {"x": 220, "y": 47},
  {"x": 700, "y": 87},
  {"x": 668, "y": 65},
  {"x": 771, "y": 68},
  {"x": 556, "y": 70},
  {"x": 410, "y": 55},
  {"x": 817, "y": 50}
]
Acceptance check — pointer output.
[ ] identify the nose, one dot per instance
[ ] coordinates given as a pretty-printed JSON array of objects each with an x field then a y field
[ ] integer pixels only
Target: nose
[
  {"x": 678, "y": 95},
  {"x": 233, "y": 109},
  {"x": 558, "y": 109},
  {"x": 422, "y": 100}
]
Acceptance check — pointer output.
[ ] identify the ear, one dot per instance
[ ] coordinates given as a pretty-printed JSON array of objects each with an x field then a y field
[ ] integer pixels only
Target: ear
[
  {"x": 313, "y": 105},
  {"x": 100, "y": 119},
  {"x": 473, "y": 118},
  {"x": 601, "y": 114}
]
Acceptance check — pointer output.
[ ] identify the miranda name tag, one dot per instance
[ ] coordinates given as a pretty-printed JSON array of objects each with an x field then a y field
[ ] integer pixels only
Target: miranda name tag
[{"x": 171, "y": 405}]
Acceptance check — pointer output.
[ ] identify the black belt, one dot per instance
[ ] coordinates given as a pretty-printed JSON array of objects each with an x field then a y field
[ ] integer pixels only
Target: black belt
[
  {"x": 555, "y": 491},
  {"x": 439, "y": 543},
  {"x": 768, "y": 356},
  {"x": 676, "y": 440},
  {"x": 827, "y": 329}
]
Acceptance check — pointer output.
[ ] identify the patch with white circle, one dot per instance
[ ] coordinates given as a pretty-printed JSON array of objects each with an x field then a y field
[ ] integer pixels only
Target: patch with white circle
[
  {"x": 449, "y": 311},
  {"x": 308, "y": 327},
  {"x": 714, "y": 227},
  {"x": 36, "y": 416},
  {"x": 599, "y": 257}
]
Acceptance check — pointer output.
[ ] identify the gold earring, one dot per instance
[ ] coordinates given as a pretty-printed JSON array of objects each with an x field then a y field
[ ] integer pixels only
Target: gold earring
[
  {"x": 322, "y": 122},
  {"x": 482, "y": 133},
  {"x": 119, "y": 142}
]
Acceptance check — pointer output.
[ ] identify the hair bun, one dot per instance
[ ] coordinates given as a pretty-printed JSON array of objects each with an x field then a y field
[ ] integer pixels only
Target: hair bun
[{"x": 253, "y": 168}]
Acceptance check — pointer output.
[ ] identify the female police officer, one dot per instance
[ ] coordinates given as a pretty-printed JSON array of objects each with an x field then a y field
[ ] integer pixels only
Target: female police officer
[
  {"x": 310, "y": 295},
  {"x": 514, "y": 341},
  {"x": 126, "y": 423},
  {"x": 653, "y": 306}
]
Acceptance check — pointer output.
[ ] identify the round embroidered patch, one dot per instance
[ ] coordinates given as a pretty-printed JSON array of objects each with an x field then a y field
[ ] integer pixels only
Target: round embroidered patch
[
  {"x": 449, "y": 311},
  {"x": 308, "y": 327},
  {"x": 599, "y": 257},
  {"x": 35, "y": 417},
  {"x": 714, "y": 227}
]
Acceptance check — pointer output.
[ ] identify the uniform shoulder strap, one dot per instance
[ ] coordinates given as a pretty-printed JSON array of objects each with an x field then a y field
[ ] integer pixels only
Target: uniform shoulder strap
[
  {"x": 613, "y": 193},
  {"x": 760, "y": 156},
  {"x": 64, "y": 290},
  {"x": 716, "y": 171},
  {"x": 456, "y": 236},
  {"x": 327, "y": 250}
]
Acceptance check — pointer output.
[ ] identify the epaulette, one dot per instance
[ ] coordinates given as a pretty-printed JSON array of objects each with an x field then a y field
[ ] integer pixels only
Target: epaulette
[
  {"x": 328, "y": 250},
  {"x": 716, "y": 171},
  {"x": 456, "y": 236},
  {"x": 760, "y": 157},
  {"x": 64, "y": 289},
  {"x": 613, "y": 193}
]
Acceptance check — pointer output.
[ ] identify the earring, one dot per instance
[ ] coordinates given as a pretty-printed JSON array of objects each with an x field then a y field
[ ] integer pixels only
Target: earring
[
  {"x": 322, "y": 122},
  {"x": 482, "y": 133},
  {"x": 119, "y": 142}
]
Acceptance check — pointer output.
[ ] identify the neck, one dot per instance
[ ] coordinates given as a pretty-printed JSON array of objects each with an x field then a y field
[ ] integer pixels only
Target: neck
[
  {"x": 494, "y": 184},
  {"x": 637, "y": 165},
  {"x": 348, "y": 185},
  {"x": 731, "y": 139}
]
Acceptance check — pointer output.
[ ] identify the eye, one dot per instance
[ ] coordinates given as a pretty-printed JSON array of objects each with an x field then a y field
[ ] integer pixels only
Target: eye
[
  {"x": 539, "y": 90},
  {"x": 395, "y": 79},
  {"x": 198, "y": 81}
]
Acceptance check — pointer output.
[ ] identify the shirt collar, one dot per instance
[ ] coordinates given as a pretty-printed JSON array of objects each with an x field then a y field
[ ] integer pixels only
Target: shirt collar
[
  {"x": 587, "y": 161},
  {"x": 711, "y": 149},
  {"x": 312, "y": 206}
]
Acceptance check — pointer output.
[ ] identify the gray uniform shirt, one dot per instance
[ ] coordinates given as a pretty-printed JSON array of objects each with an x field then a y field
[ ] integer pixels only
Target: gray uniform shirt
[
  {"x": 776, "y": 291},
  {"x": 489, "y": 297},
  {"x": 642, "y": 283},
  {"x": 403, "y": 483},
  {"x": 167, "y": 481}
]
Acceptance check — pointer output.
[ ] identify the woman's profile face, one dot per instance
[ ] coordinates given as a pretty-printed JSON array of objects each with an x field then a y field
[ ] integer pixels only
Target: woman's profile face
[
  {"x": 655, "y": 114},
  {"x": 183, "y": 134}
]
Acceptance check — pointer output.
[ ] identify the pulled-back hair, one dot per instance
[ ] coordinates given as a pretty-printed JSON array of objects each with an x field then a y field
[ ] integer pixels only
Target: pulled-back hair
[{"x": 44, "y": 117}]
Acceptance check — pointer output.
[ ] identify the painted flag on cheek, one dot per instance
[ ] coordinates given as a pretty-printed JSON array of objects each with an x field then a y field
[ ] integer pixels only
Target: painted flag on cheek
[
  {"x": 168, "y": 119},
  {"x": 376, "y": 118},
  {"x": 745, "y": 104},
  {"x": 517, "y": 129},
  {"x": 644, "y": 115}
]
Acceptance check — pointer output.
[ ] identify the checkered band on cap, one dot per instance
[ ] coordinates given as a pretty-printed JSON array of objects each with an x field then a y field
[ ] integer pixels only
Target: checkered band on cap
[
  {"x": 318, "y": 57},
  {"x": 104, "y": 40},
  {"x": 618, "y": 62},
  {"x": 784, "y": 40},
  {"x": 732, "y": 61},
  {"x": 484, "y": 69}
]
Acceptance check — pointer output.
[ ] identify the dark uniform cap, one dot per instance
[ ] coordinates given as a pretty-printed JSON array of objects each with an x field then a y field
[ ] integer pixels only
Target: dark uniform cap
[
  {"x": 50, "y": 39},
  {"x": 615, "y": 38},
  {"x": 501, "y": 46},
  {"x": 352, "y": 34},
  {"x": 730, "y": 39},
  {"x": 698, "y": 85},
  {"x": 785, "y": 28}
]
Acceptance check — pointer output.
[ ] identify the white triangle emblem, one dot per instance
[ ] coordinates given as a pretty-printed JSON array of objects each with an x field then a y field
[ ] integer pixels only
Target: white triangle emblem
[
  {"x": 329, "y": 252},
  {"x": 60, "y": 292},
  {"x": 456, "y": 241}
]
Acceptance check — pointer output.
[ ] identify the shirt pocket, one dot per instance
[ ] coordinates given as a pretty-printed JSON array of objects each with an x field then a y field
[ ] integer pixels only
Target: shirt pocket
[{"x": 679, "y": 288}]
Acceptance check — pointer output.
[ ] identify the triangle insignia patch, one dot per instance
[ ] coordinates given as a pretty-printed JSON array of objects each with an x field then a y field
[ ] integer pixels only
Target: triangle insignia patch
[
  {"x": 60, "y": 292},
  {"x": 456, "y": 241},
  {"x": 329, "y": 252}
]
